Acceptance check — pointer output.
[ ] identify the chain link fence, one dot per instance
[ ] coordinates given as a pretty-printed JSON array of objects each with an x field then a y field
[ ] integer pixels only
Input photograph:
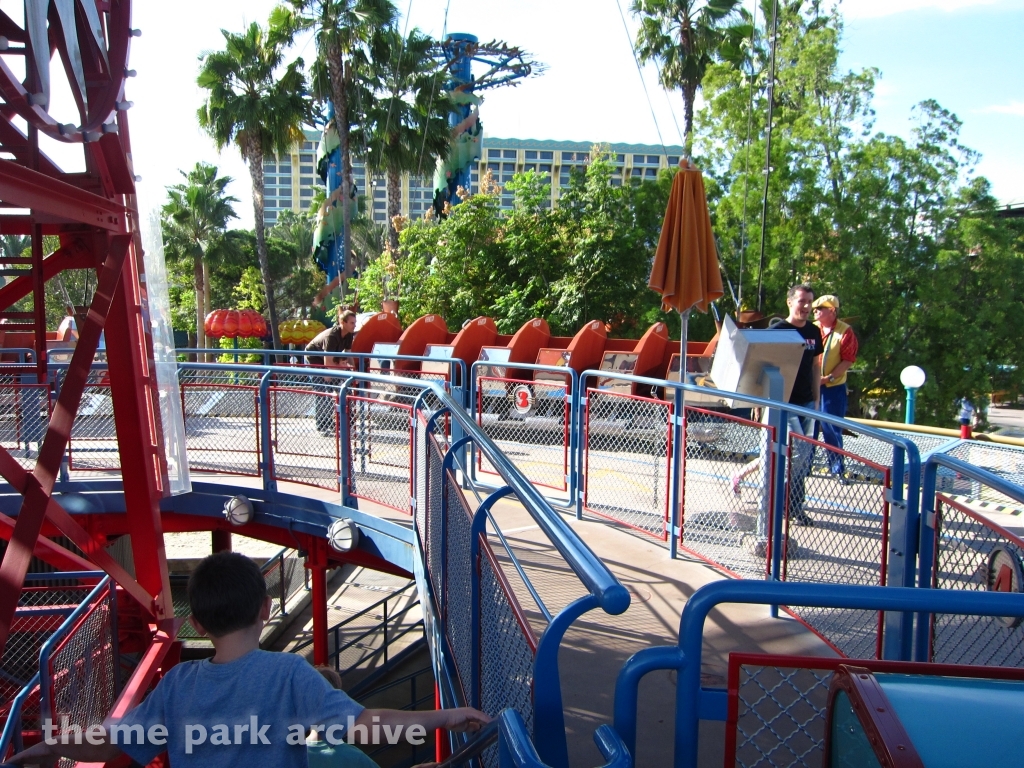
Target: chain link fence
[
  {"x": 304, "y": 433},
  {"x": 24, "y": 416},
  {"x": 459, "y": 569},
  {"x": 92, "y": 445},
  {"x": 82, "y": 670},
  {"x": 627, "y": 459},
  {"x": 837, "y": 532},
  {"x": 529, "y": 421},
  {"x": 973, "y": 553},
  {"x": 1004, "y": 461},
  {"x": 727, "y": 485},
  {"x": 380, "y": 440},
  {"x": 222, "y": 421},
  {"x": 508, "y": 646},
  {"x": 41, "y": 610},
  {"x": 776, "y": 712}
]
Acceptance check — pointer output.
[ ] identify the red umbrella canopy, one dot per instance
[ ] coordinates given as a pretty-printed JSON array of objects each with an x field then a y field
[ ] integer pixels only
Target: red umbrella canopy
[
  {"x": 686, "y": 271},
  {"x": 235, "y": 322}
]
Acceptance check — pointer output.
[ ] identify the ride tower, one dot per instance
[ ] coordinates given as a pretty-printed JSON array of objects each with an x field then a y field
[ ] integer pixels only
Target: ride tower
[
  {"x": 90, "y": 222},
  {"x": 506, "y": 65}
]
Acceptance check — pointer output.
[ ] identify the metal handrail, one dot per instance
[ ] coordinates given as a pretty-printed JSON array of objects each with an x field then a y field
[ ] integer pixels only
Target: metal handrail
[
  {"x": 592, "y": 572},
  {"x": 685, "y": 657}
]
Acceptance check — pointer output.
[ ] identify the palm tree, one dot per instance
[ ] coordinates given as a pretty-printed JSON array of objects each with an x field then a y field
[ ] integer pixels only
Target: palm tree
[
  {"x": 684, "y": 36},
  {"x": 342, "y": 29},
  {"x": 262, "y": 114},
  {"x": 195, "y": 219},
  {"x": 407, "y": 125}
]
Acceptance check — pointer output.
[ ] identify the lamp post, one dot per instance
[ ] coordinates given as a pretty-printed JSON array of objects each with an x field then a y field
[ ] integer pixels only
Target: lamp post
[{"x": 912, "y": 378}]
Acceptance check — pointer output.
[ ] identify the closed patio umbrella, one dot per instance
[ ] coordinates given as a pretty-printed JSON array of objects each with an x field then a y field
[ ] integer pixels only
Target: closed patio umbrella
[{"x": 686, "y": 271}]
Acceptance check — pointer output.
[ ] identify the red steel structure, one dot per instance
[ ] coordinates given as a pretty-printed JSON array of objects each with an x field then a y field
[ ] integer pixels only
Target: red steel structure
[{"x": 94, "y": 216}]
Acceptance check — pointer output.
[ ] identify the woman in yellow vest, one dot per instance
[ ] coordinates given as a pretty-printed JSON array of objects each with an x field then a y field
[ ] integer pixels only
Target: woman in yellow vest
[{"x": 838, "y": 354}]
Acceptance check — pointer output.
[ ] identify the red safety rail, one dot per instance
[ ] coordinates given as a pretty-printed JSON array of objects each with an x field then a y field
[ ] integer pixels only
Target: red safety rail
[
  {"x": 627, "y": 460},
  {"x": 222, "y": 427},
  {"x": 727, "y": 524},
  {"x": 530, "y": 425},
  {"x": 843, "y": 538},
  {"x": 380, "y": 442},
  {"x": 305, "y": 436},
  {"x": 24, "y": 413},
  {"x": 974, "y": 553},
  {"x": 777, "y": 704}
]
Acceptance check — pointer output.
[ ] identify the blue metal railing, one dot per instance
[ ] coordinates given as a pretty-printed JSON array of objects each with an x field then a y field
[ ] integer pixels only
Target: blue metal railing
[
  {"x": 694, "y": 703},
  {"x": 11, "y": 734}
]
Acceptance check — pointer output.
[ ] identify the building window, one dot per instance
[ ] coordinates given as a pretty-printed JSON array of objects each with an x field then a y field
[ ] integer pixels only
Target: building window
[
  {"x": 305, "y": 158},
  {"x": 531, "y": 154},
  {"x": 380, "y": 194},
  {"x": 508, "y": 167},
  {"x": 509, "y": 154},
  {"x": 285, "y": 170},
  {"x": 620, "y": 158},
  {"x": 307, "y": 145},
  {"x": 305, "y": 193},
  {"x": 269, "y": 168},
  {"x": 305, "y": 169},
  {"x": 380, "y": 205},
  {"x": 673, "y": 160},
  {"x": 653, "y": 160},
  {"x": 306, "y": 181},
  {"x": 651, "y": 173},
  {"x": 547, "y": 155},
  {"x": 545, "y": 169},
  {"x": 493, "y": 153}
]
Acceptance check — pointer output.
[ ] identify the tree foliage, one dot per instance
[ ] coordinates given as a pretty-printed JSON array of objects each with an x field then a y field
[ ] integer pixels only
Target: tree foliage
[{"x": 898, "y": 229}]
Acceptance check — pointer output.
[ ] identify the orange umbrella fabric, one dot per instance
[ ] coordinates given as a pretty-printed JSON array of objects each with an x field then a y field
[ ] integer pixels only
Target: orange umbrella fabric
[{"x": 686, "y": 271}]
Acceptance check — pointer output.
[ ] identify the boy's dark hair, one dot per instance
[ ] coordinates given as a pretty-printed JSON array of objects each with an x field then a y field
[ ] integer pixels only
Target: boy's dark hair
[{"x": 226, "y": 592}]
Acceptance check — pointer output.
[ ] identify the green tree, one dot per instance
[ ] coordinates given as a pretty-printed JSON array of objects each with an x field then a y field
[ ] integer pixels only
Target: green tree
[
  {"x": 897, "y": 228},
  {"x": 195, "y": 219},
  {"x": 685, "y": 37},
  {"x": 342, "y": 30},
  {"x": 407, "y": 124},
  {"x": 248, "y": 104}
]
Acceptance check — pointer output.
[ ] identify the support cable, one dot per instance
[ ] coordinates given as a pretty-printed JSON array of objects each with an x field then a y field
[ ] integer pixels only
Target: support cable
[
  {"x": 639, "y": 69},
  {"x": 746, "y": 154},
  {"x": 768, "y": 155}
]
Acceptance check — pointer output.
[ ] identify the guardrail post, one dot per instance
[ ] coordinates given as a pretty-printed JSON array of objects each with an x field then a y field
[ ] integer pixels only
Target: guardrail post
[
  {"x": 266, "y": 449},
  {"x": 926, "y": 556},
  {"x": 902, "y": 557},
  {"x": 678, "y": 447},
  {"x": 575, "y": 449},
  {"x": 345, "y": 447},
  {"x": 776, "y": 510}
]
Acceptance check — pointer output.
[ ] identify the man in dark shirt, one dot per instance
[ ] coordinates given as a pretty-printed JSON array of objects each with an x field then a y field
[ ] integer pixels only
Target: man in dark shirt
[
  {"x": 337, "y": 338},
  {"x": 805, "y": 393}
]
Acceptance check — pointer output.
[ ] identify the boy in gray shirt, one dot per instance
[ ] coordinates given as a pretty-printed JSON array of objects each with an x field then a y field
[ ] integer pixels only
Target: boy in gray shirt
[{"x": 245, "y": 706}]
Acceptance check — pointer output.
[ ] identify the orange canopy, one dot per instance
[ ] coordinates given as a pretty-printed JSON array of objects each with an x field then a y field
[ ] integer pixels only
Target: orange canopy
[{"x": 686, "y": 271}]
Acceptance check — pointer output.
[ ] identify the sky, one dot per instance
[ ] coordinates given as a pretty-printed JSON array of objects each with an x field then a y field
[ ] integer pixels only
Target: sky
[{"x": 966, "y": 54}]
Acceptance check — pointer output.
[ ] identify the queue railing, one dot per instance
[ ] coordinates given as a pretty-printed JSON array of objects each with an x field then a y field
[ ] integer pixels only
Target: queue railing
[
  {"x": 780, "y": 719},
  {"x": 756, "y": 498}
]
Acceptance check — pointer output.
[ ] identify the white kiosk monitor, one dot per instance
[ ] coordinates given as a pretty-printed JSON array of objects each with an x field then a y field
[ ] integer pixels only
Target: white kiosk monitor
[{"x": 742, "y": 355}]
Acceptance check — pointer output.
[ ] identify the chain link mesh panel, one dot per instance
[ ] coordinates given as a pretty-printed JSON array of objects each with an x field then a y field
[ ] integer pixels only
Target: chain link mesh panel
[
  {"x": 507, "y": 647},
  {"x": 222, "y": 425},
  {"x": 727, "y": 485},
  {"x": 24, "y": 415},
  {"x": 30, "y": 629},
  {"x": 380, "y": 441},
  {"x": 92, "y": 445},
  {"x": 304, "y": 431},
  {"x": 529, "y": 422},
  {"x": 1005, "y": 461},
  {"x": 283, "y": 575},
  {"x": 837, "y": 532},
  {"x": 780, "y": 718},
  {"x": 82, "y": 669},
  {"x": 458, "y": 583},
  {"x": 970, "y": 554},
  {"x": 627, "y": 460}
]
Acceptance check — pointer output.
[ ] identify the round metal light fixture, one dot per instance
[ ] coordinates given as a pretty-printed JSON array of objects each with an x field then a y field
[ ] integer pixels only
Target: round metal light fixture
[
  {"x": 343, "y": 535},
  {"x": 238, "y": 510}
]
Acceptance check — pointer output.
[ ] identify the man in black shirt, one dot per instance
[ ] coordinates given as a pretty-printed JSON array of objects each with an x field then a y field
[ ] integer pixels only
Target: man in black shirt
[
  {"x": 805, "y": 393},
  {"x": 337, "y": 338}
]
